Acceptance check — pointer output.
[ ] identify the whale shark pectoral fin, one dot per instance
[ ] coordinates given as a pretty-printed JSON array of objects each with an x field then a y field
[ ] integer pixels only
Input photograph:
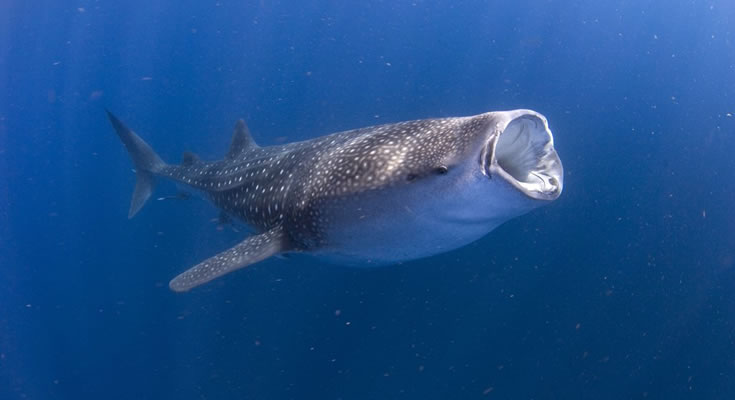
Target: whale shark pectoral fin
[{"x": 249, "y": 251}]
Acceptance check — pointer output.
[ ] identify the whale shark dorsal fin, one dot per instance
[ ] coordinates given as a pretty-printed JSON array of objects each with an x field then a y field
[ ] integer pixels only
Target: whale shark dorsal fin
[
  {"x": 189, "y": 159},
  {"x": 251, "y": 250},
  {"x": 241, "y": 140}
]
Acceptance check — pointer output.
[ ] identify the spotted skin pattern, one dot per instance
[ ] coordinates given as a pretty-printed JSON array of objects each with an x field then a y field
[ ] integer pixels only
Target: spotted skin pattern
[{"x": 290, "y": 184}]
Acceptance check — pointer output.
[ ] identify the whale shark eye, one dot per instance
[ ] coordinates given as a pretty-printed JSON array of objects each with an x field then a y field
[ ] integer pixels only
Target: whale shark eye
[
  {"x": 411, "y": 177},
  {"x": 441, "y": 170}
]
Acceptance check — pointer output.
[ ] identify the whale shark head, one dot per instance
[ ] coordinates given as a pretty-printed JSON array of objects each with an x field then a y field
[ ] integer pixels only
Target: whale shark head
[
  {"x": 506, "y": 167},
  {"x": 516, "y": 171}
]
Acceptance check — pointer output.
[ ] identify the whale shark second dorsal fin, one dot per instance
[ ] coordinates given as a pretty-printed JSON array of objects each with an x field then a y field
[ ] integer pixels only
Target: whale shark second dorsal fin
[
  {"x": 241, "y": 140},
  {"x": 189, "y": 159}
]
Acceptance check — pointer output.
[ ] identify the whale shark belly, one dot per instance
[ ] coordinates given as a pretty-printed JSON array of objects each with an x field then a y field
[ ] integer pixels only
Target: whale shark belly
[{"x": 384, "y": 228}]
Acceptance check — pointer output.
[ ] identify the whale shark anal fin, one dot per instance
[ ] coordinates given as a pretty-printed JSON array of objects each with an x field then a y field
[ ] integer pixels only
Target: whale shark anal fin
[{"x": 251, "y": 250}]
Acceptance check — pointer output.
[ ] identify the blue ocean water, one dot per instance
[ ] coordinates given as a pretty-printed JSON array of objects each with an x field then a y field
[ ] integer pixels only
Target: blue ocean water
[{"x": 624, "y": 288}]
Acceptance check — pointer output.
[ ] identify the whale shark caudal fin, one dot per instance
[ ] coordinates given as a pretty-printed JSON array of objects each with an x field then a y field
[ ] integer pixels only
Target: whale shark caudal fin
[
  {"x": 251, "y": 250},
  {"x": 145, "y": 160}
]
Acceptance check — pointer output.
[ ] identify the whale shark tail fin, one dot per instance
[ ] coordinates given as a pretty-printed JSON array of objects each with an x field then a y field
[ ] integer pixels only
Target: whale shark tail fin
[
  {"x": 251, "y": 250},
  {"x": 147, "y": 163}
]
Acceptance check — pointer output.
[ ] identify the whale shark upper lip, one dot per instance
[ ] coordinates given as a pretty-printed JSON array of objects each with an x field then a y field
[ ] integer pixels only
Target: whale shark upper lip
[{"x": 523, "y": 154}]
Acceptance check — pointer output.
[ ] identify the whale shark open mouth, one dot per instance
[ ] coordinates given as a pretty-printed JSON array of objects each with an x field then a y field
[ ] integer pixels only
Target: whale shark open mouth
[{"x": 524, "y": 155}]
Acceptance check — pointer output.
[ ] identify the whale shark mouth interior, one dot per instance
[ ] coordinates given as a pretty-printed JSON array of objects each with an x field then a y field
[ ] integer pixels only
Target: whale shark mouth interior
[{"x": 525, "y": 153}]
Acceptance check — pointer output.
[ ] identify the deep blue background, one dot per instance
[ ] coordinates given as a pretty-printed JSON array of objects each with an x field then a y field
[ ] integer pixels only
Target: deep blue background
[{"x": 622, "y": 289}]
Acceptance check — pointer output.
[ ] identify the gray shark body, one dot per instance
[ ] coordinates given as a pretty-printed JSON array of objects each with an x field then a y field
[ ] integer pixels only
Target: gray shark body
[{"x": 370, "y": 196}]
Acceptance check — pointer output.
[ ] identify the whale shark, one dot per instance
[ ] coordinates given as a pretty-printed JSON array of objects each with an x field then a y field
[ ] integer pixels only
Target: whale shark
[{"x": 365, "y": 197}]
